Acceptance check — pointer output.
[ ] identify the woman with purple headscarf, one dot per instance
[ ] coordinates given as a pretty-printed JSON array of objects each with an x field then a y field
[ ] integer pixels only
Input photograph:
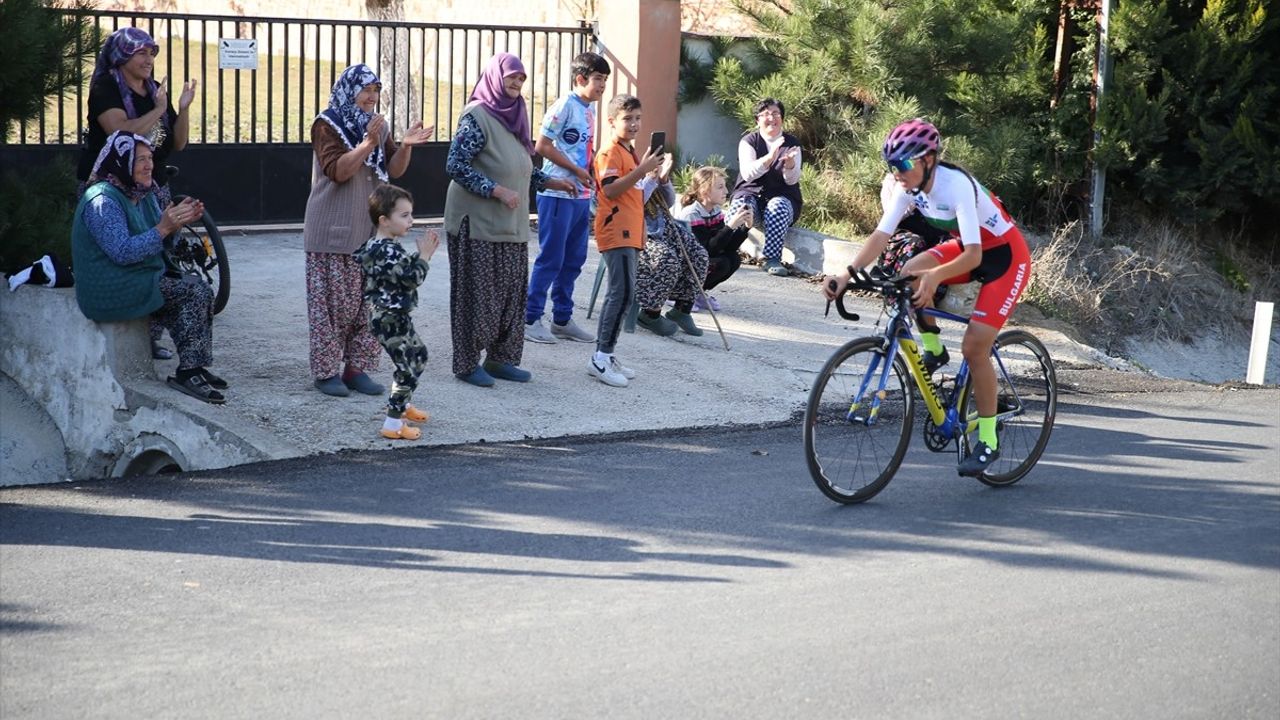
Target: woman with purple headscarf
[
  {"x": 124, "y": 96},
  {"x": 353, "y": 153},
  {"x": 486, "y": 217}
]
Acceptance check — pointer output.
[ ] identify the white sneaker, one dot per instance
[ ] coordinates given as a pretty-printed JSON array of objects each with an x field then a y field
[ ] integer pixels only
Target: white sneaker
[
  {"x": 625, "y": 371},
  {"x": 609, "y": 374},
  {"x": 537, "y": 332},
  {"x": 571, "y": 331}
]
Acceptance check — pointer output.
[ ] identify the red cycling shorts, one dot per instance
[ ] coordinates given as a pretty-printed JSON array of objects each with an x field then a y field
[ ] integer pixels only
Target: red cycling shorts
[{"x": 1004, "y": 273}]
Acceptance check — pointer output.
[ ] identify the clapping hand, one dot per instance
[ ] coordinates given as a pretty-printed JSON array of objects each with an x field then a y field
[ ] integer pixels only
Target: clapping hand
[
  {"x": 373, "y": 131},
  {"x": 162, "y": 95},
  {"x": 176, "y": 216},
  {"x": 427, "y": 244},
  {"x": 188, "y": 95},
  {"x": 789, "y": 157},
  {"x": 417, "y": 134}
]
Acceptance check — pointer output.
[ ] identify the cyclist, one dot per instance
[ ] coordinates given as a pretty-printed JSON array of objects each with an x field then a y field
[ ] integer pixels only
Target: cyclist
[{"x": 986, "y": 247}]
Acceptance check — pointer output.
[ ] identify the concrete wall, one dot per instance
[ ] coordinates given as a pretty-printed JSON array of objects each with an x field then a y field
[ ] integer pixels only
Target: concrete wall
[
  {"x": 97, "y": 384},
  {"x": 704, "y": 132},
  {"x": 641, "y": 40}
]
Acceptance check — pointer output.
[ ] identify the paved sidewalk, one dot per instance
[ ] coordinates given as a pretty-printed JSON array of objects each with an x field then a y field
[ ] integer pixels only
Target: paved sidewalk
[{"x": 775, "y": 327}]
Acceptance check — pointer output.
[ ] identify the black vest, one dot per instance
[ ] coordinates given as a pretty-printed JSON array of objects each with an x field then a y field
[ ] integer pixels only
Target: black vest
[{"x": 769, "y": 185}]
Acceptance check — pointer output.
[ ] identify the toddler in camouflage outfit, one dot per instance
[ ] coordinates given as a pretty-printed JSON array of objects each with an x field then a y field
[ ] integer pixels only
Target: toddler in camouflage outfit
[{"x": 391, "y": 279}]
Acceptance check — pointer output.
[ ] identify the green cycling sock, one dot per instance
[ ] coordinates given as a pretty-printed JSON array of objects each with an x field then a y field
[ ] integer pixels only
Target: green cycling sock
[
  {"x": 987, "y": 431},
  {"x": 932, "y": 342}
]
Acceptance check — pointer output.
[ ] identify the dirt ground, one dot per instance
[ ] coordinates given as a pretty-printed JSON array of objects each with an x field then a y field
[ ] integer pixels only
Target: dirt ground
[{"x": 775, "y": 327}]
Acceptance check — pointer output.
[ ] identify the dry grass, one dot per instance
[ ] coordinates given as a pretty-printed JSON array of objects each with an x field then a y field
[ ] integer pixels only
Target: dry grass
[{"x": 1153, "y": 279}]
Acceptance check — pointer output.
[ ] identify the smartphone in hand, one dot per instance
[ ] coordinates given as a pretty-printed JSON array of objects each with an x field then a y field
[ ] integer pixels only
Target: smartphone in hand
[{"x": 657, "y": 141}]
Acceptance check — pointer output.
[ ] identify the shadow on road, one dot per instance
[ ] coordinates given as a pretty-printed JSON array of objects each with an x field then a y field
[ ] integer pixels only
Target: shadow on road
[{"x": 735, "y": 500}]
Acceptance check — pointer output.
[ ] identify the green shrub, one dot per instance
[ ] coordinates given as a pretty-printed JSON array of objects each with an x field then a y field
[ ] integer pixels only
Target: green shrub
[
  {"x": 1189, "y": 127},
  {"x": 36, "y": 208}
]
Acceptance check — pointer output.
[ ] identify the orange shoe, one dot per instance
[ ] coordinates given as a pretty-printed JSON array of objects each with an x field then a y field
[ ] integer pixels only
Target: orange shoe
[
  {"x": 406, "y": 432},
  {"x": 414, "y": 414}
]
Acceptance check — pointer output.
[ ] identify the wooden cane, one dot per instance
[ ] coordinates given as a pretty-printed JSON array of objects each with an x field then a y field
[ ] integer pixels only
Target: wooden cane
[{"x": 698, "y": 284}]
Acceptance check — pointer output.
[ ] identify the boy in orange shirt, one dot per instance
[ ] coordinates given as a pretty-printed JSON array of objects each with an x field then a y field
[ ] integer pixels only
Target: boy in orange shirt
[{"x": 622, "y": 191}]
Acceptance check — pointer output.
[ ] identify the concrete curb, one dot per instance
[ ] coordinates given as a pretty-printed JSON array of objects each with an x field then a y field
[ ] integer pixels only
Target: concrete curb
[
  {"x": 97, "y": 383},
  {"x": 808, "y": 251}
]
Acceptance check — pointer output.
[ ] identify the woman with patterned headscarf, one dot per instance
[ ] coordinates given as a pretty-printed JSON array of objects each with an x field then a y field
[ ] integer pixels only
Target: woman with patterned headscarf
[
  {"x": 124, "y": 96},
  {"x": 117, "y": 243},
  {"x": 486, "y": 216},
  {"x": 354, "y": 153}
]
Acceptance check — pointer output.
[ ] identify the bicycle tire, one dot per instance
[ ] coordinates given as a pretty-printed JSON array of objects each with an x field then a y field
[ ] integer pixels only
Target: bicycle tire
[
  {"x": 858, "y": 449},
  {"x": 213, "y": 265},
  {"x": 1027, "y": 389}
]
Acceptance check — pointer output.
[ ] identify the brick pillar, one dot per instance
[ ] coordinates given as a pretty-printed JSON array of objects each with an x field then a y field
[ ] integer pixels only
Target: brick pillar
[{"x": 641, "y": 40}]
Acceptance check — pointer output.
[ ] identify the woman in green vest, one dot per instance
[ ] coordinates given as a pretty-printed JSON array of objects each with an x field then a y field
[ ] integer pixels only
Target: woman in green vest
[
  {"x": 117, "y": 247},
  {"x": 486, "y": 216}
]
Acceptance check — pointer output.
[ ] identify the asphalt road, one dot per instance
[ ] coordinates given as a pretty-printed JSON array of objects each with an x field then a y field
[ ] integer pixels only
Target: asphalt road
[{"x": 1134, "y": 573}]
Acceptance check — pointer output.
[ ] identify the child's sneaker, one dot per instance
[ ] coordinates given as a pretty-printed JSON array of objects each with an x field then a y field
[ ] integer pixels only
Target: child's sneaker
[
  {"x": 609, "y": 374},
  {"x": 414, "y": 414},
  {"x": 406, "y": 432},
  {"x": 699, "y": 306}
]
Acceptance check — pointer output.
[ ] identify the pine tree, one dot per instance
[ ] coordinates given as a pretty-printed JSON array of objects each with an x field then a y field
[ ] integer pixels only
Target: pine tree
[{"x": 43, "y": 57}]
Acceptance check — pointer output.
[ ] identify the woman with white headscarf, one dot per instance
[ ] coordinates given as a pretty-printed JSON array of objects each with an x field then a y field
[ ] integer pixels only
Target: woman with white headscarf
[{"x": 354, "y": 153}]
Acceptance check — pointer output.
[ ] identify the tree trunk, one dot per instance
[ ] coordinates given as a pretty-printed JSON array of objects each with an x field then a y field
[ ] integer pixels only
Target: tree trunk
[{"x": 399, "y": 85}]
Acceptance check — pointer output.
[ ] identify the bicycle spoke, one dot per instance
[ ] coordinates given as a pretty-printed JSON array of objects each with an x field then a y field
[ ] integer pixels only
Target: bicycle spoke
[
  {"x": 1027, "y": 397},
  {"x": 852, "y": 456}
]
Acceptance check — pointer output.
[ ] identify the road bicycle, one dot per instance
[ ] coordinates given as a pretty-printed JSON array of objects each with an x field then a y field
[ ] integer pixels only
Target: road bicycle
[
  {"x": 861, "y": 410},
  {"x": 197, "y": 249}
]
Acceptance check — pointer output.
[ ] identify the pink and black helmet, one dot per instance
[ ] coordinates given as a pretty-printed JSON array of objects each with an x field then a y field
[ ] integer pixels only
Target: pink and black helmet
[{"x": 910, "y": 139}]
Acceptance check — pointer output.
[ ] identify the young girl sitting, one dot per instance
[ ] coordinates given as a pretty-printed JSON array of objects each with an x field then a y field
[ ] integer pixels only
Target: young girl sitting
[{"x": 700, "y": 208}]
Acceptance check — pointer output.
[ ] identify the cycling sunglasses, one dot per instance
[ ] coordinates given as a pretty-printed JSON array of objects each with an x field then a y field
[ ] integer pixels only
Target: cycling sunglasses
[{"x": 901, "y": 166}]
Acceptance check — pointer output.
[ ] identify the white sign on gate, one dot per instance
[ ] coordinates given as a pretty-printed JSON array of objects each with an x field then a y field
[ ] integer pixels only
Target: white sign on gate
[{"x": 237, "y": 54}]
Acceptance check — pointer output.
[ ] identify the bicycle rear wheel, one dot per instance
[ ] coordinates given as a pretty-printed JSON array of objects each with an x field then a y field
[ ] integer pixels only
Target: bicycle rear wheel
[
  {"x": 851, "y": 453},
  {"x": 197, "y": 248},
  {"x": 1027, "y": 402}
]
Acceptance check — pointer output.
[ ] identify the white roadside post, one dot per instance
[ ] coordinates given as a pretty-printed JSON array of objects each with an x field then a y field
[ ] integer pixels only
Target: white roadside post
[{"x": 1262, "y": 312}]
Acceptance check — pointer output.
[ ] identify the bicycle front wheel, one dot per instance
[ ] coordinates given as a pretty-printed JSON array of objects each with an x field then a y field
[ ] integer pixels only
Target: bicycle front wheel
[
  {"x": 1026, "y": 405},
  {"x": 202, "y": 253},
  {"x": 853, "y": 447}
]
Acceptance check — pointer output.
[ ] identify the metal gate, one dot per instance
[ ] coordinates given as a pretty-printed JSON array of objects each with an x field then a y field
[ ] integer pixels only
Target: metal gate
[{"x": 249, "y": 152}]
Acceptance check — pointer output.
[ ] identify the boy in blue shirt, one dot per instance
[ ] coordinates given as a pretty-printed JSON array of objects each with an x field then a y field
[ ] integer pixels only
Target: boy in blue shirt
[{"x": 567, "y": 147}]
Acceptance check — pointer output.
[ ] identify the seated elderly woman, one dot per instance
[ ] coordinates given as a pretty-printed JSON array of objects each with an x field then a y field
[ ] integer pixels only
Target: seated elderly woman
[{"x": 117, "y": 245}]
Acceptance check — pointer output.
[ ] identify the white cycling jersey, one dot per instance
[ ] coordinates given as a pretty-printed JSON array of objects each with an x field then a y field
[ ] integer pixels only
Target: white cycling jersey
[{"x": 954, "y": 203}]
